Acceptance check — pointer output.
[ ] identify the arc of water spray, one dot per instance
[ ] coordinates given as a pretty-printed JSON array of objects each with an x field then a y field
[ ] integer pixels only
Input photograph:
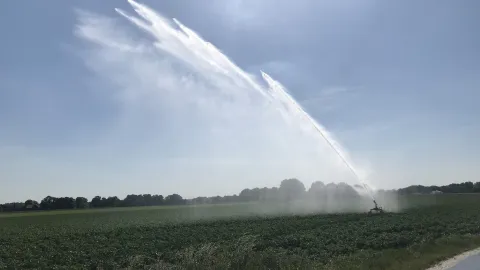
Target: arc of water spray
[
  {"x": 279, "y": 89},
  {"x": 205, "y": 52}
]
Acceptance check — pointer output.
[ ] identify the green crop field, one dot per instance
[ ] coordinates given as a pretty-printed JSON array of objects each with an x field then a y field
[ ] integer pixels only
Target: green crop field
[{"x": 239, "y": 236}]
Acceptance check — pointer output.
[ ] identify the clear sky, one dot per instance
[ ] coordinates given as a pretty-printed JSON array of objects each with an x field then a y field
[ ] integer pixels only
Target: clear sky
[{"x": 89, "y": 104}]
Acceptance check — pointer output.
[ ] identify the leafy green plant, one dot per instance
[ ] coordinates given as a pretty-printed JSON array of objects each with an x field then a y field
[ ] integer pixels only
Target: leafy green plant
[{"x": 204, "y": 238}]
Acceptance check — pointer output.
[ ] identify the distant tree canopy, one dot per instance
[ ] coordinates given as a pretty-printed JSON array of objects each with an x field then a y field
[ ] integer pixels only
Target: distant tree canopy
[
  {"x": 289, "y": 190},
  {"x": 81, "y": 202},
  {"x": 465, "y": 187},
  {"x": 316, "y": 187},
  {"x": 50, "y": 202},
  {"x": 174, "y": 199},
  {"x": 31, "y": 204}
]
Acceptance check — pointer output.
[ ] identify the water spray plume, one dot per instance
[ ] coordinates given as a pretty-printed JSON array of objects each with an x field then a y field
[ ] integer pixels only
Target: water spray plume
[
  {"x": 187, "y": 47},
  {"x": 207, "y": 53},
  {"x": 283, "y": 94}
]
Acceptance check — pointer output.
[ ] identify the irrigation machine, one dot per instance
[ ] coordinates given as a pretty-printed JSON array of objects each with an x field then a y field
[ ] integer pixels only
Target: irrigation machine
[{"x": 376, "y": 209}]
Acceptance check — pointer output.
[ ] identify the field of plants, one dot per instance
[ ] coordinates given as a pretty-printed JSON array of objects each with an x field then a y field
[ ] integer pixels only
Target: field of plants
[{"x": 430, "y": 228}]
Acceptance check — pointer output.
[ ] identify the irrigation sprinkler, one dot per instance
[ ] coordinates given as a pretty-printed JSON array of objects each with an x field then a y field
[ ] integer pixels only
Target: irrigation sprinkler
[{"x": 376, "y": 209}]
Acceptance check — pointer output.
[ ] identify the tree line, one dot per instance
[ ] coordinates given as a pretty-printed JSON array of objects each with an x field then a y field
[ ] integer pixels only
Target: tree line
[
  {"x": 289, "y": 189},
  {"x": 465, "y": 187},
  {"x": 53, "y": 203}
]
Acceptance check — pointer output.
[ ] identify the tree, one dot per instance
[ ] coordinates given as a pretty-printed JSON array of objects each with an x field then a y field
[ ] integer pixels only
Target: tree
[
  {"x": 468, "y": 187},
  {"x": 157, "y": 200},
  {"x": 134, "y": 200},
  {"x": 245, "y": 195},
  {"x": 199, "y": 200},
  {"x": 249, "y": 195},
  {"x": 48, "y": 202},
  {"x": 317, "y": 191},
  {"x": 217, "y": 200},
  {"x": 317, "y": 187},
  {"x": 148, "y": 199},
  {"x": 346, "y": 191},
  {"x": 272, "y": 194},
  {"x": 111, "y": 202},
  {"x": 96, "y": 202},
  {"x": 174, "y": 199},
  {"x": 64, "y": 203},
  {"x": 31, "y": 204},
  {"x": 476, "y": 187},
  {"x": 291, "y": 189},
  {"x": 81, "y": 202}
]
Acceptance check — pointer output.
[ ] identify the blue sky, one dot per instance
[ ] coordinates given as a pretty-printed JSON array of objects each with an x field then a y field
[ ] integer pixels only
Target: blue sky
[{"x": 396, "y": 82}]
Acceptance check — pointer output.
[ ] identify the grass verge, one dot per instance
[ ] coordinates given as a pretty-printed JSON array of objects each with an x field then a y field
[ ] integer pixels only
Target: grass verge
[{"x": 418, "y": 256}]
